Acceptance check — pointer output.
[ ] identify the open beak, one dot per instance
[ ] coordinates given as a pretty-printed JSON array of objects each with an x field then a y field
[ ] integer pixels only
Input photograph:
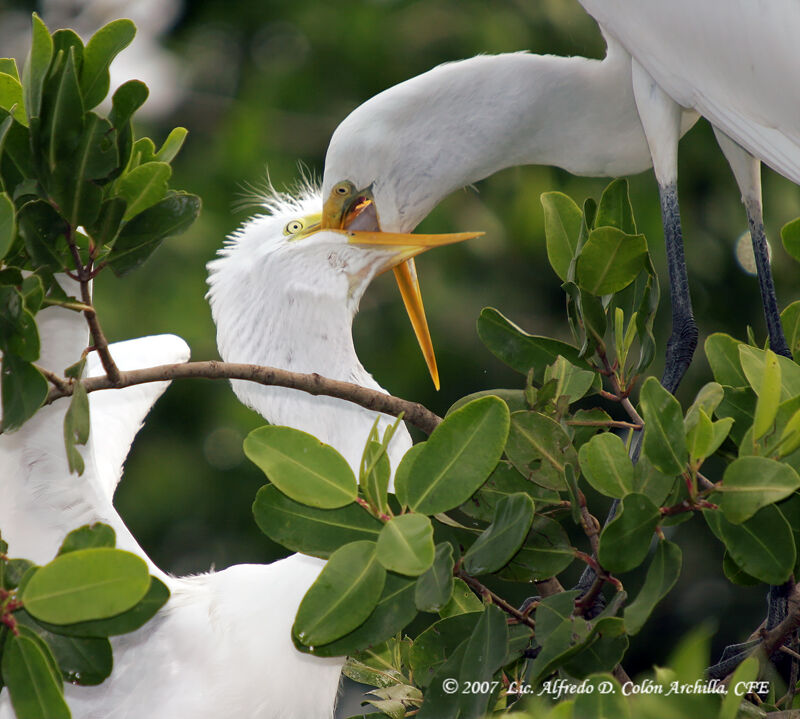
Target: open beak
[{"x": 356, "y": 211}]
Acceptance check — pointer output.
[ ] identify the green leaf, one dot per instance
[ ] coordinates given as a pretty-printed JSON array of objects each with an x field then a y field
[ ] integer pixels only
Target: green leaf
[
  {"x": 144, "y": 233},
  {"x": 504, "y": 536},
  {"x": 664, "y": 436},
  {"x": 35, "y": 69},
  {"x": 318, "y": 532},
  {"x": 769, "y": 396},
  {"x": 143, "y": 187},
  {"x": 519, "y": 350},
  {"x": 562, "y": 227},
  {"x": 127, "y": 99},
  {"x": 15, "y": 571},
  {"x": 750, "y": 483},
  {"x": 403, "y": 473},
  {"x": 609, "y": 703},
  {"x": 708, "y": 399},
  {"x": 434, "y": 588},
  {"x": 605, "y": 464},
  {"x": 62, "y": 112},
  {"x": 790, "y": 235},
  {"x": 342, "y": 597},
  {"x": 487, "y": 647},
  {"x": 540, "y": 448},
  {"x": 433, "y": 646},
  {"x": 8, "y": 65},
  {"x": 790, "y": 319},
  {"x": 374, "y": 475},
  {"x": 438, "y": 704},
  {"x": 405, "y": 544},
  {"x": 514, "y": 398},
  {"x": 88, "y": 537},
  {"x": 76, "y": 427},
  {"x": 302, "y": 467},
  {"x": 86, "y": 584},
  {"x": 35, "y": 692},
  {"x": 458, "y": 456},
  {"x": 610, "y": 260},
  {"x": 700, "y": 437},
  {"x": 23, "y": 391},
  {"x": 740, "y": 406},
  {"x": 790, "y": 436},
  {"x": 18, "y": 332},
  {"x": 625, "y": 540},
  {"x": 763, "y": 546},
  {"x": 172, "y": 145},
  {"x": 11, "y": 97},
  {"x": 101, "y": 49},
  {"x": 601, "y": 653},
  {"x": 81, "y": 660},
  {"x": 546, "y": 552},
  {"x": 107, "y": 225},
  {"x": 754, "y": 366},
  {"x": 615, "y": 208},
  {"x": 571, "y": 381},
  {"x": 735, "y": 574},
  {"x": 463, "y": 601},
  {"x": 44, "y": 232},
  {"x": 722, "y": 352},
  {"x": 745, "y": 673},
  {"x": 394, "y": 611},
  {"x": 663, "y": 572},
  {"x": 504, "y": 480},
  {"x": 124, "y": 623}
]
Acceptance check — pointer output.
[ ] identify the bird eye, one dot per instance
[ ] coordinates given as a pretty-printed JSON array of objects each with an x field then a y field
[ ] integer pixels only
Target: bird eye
[
  {"x": 293, "y": 227},
  {"x": 344, "y": 188}
]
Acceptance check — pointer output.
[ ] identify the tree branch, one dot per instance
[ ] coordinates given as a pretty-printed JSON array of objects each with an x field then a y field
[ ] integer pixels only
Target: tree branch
[
  {"x": 496, "y": 599},
  {"x": 314, "y": 384}
]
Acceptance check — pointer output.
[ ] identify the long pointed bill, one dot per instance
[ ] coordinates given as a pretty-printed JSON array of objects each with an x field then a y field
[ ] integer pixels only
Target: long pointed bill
[{"x": 405, "y": 272}]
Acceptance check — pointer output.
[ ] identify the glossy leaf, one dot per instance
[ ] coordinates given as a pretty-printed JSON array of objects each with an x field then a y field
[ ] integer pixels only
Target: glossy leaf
[
  {"x": 139, "y": 238},
  {"x": 44, "y": 232},
  {"x": 11, "y": 97},
  {"x": 439, "y": 704},
  {"x": 664, "y": 436},
  {"x": 486, "y": 650},
  {"x": 86, "y": 584},
  {"x": 374, "y": 475},
  {"x": 504, "y": 536},
  {"x": 405, "y": 544},
  {"x": 790, "y": 319},
  {"x": 23, "y": 390},
  {"x": 740, "y": 406},
  {"x": 35, "y": 69},
  {"x": 722, "y": 352},
  {"x": 143, "y": 187},
  {"x": 625, "y": 540},
  {"x": 790, "y": 235},
  {"x": 610, "y": 260},
  {"x": 708, "y": 399},
  {"x": 754, "y": 365},
  {"x": 302, "y": 467},
  {"x": 514, "y": 398},
  {"x": 571, "y": 381},
  {"x": 35, "y": 691},
  {"x": 342, "y": 597},
  {"x": 750, "y": 483},
  {"x": 540, "y": 448},
  {"x": 605, "y": 464},
  {"x": 403, "y": 474},
  {"x": 433, "y": 646},
  {"x": 546, "y": 552},
  {"x": 124, "y": 623},
  {"x": 434, "y": 588},
  {"x": 62, "y": 111},
  {"x": 520, "y": 350},
  {"x": 615, "y": 208},
  {"x": 769, "y": 396},
  {"x": 762, "y": 546},
  {"x": 101, "y": 49},
  {"x": 663, "y": 572},
  {"x": 8, "y": 224},
  {"x": 463, "y": 601},
  {"x": 735, "y": 574},
  {"x": 562, "y": 226},
  {"x": 318, "y": 532},
  {"x": 393, "y": 612},
  {"x": 458, "y": 456},
  {"x": 172, "y": 145},
  {"x": 88, "y": 537}
]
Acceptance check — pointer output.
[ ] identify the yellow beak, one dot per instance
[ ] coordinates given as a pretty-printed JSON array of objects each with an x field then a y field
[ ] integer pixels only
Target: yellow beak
[{"x": 337, "y": 214}]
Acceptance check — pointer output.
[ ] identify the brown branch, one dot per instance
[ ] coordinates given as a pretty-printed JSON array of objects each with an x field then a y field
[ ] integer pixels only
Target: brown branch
[
  {"x": 495, "y": 599},
  {"x": 591, "y": 526},
  {"x": 58, "y": 382},
  {"x": 314, "y": 384},
  {"x": 612, "y": 424}
]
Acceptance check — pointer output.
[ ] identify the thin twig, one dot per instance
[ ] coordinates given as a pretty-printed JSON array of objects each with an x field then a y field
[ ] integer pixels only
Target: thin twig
[
  {"x": 495, "y": 599},
  {"x": 314, "y": 384},
  {"x": 58, "y": 382},
  {"x": 610, "y": 423}
]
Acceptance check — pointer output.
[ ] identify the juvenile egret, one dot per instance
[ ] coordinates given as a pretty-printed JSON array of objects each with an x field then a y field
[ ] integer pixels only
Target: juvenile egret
[
  {"x": 413, "y": 144},
  {"x": 221, "y": 645}
]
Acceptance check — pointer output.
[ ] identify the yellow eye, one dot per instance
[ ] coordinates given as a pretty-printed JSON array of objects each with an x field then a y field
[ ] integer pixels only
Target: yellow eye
[
  {"x": 293, "y": 227},
  {"x": 344, "y": 188}
]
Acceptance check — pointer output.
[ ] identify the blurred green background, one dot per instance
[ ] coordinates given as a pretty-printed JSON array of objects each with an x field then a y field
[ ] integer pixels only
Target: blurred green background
[{"x": 261, "y": 86}]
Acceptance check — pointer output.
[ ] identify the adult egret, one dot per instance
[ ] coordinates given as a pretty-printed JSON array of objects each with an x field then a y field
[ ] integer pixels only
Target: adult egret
[{"x": 413, "y": 144}]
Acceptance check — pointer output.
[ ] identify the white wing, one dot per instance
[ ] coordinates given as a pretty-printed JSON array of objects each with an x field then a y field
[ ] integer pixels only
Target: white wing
[
  {"x": 117, "y": 415},
  {"x": 734, "y": 61}
]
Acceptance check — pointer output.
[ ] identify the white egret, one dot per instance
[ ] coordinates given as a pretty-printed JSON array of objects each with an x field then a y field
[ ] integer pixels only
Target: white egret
[{"x": 413, "y": 144}]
